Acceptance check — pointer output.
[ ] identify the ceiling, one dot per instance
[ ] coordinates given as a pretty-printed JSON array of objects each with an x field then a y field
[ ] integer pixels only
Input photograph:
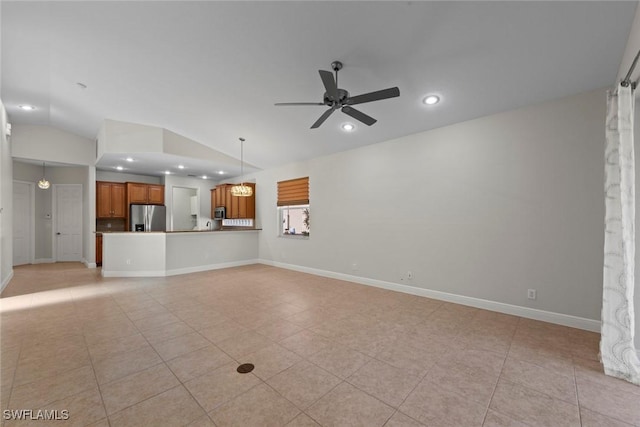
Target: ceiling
[{"x": 211, "y": 71}]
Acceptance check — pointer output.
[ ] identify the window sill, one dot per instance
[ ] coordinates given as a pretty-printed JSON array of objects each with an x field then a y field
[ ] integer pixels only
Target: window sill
[{"x": 294, "y": 236}]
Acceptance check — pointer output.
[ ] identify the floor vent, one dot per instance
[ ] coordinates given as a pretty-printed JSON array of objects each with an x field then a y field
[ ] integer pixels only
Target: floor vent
[{"x": 245, "y": 368}]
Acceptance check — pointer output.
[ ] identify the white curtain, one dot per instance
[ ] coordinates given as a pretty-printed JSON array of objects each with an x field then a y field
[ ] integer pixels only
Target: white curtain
[{"x": 617, "y": 350}]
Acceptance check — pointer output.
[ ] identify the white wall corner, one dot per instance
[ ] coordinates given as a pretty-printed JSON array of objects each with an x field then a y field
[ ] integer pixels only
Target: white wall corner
[
  {"x": 6, "y": 281},
  {"x": 514, "y": 310}
]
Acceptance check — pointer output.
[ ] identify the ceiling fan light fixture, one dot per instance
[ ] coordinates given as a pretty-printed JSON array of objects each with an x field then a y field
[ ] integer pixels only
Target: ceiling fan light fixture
[
  {"x": 43, "y": 183},
  {"x": 241, "y": 190},
  {"x": 348, "y": 127},
  {"x": 431, "y": 99}
]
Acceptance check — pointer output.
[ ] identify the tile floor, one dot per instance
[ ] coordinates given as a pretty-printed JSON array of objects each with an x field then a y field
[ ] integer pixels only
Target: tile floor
[{"x": 163, "y": 352}]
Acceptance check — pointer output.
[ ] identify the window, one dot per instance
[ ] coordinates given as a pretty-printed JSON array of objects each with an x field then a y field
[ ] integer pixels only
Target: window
[
  {"x": 293, "y": 207},
  {"x": 294, "y": 220}
]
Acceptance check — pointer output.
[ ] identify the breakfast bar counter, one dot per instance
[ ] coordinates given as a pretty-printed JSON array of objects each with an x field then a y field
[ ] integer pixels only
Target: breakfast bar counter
[{"x": 157, "y": 254}]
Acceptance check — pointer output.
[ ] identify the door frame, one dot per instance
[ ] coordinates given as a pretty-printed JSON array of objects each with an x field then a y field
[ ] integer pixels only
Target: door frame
[
  {"x": 54, "y": 220},
  {"x": 32, "y": 219},
  {"x": 171, "y": 202}
]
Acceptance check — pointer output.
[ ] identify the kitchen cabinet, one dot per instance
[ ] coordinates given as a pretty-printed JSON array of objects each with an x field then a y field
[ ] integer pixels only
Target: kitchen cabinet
[
  {"x": 139, "y": 193},
  {"x": 110, "y": 200},
  {"x": 156, "y": 194},
  {"x": 236, "y": 207},
  {"x": 98, "y": 249}
]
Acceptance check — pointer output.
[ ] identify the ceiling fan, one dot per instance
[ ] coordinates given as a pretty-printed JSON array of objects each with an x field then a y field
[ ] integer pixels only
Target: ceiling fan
[{"x": 336, "y": 98}]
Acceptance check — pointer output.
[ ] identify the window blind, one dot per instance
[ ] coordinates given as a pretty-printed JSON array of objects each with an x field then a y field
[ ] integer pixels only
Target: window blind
[{"x": 293, "y": 192}]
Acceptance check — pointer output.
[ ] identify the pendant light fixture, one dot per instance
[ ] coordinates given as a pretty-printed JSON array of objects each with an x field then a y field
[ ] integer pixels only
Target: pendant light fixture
[
  {"x": 43, "y": 183},
  {"x": 241, "y": 190}
]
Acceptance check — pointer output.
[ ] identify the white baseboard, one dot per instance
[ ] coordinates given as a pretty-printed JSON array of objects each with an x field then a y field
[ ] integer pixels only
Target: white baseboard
[
  {"x": 144, "y": 273},
  {"x": 199, "y": 268},
  {"x": 43, "y": 261},
  {"x": 89, "y": 264},
  {"x": 6, "y": 281},
  {"x": 515, "y": 310}
]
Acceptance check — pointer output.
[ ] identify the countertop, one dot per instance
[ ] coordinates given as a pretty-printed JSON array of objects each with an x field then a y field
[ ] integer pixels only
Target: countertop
[{"x": 99, "y": 233}]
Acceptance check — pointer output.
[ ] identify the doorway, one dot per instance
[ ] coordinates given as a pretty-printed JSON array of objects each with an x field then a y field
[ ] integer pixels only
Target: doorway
[
  {"x": 67, "y": 199},
  {"x": 23, "y": 222},
  {"x": 184, "y": 208}
]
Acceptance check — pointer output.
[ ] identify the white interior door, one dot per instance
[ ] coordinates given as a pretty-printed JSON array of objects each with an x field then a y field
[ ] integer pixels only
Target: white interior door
[
  {"x": 68, "y": 211},
  {"x": 22, "y": 214}
]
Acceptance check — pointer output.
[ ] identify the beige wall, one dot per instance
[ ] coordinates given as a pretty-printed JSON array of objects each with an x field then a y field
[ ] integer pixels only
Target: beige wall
[
  {"x": 49, "y": 144},
  {"x": 6, "y": 202},
  {"x": 127, "y": 177},
  {"x": 485, "y": 209},
  {"x": 44, "y": 216}
]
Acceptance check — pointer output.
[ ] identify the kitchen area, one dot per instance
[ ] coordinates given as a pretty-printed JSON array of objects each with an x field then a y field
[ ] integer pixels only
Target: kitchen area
[
  {"x": 161, "y": 209},
  {"x": 137, "y": 235}
]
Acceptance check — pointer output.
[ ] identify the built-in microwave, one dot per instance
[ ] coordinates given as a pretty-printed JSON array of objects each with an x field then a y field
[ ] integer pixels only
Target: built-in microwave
[{"x": 219, "y": 213}]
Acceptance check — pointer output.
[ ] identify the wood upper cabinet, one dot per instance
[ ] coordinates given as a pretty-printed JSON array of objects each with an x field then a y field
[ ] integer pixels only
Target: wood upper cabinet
[
  {"x": 155, "y": 194},
  {"x": 237, "y": 207},
  {"x": 137, "y": 193},
  {"x": 110, "y": 200},
  {"x": 145, "y": 193}
]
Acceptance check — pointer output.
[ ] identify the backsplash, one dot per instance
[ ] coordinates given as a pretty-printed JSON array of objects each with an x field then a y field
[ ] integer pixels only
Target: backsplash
[{"x": 110, "y": 224}]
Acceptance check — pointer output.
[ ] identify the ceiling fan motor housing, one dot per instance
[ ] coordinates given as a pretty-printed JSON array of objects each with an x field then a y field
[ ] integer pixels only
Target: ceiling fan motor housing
[{"x": 342, "y": 97}]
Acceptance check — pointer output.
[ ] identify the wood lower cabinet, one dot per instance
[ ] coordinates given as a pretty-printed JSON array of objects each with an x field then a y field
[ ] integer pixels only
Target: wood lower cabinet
[
  {"x": 98, "y": 249},
  {"x": 236, "y": 207},
  {"x": 110, "y": 200}
]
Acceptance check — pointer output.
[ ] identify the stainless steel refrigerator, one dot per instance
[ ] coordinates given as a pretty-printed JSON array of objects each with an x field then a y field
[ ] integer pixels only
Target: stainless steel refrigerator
[{"x": 147, "y": 218}]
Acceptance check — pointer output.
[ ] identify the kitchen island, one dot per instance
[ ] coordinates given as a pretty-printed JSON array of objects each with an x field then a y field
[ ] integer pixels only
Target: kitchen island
[{"x": 158, "y": 254}]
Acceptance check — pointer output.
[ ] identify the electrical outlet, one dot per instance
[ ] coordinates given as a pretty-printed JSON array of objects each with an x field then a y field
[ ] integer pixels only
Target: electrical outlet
[
  {"x": 531, "y": 293},
  {"x": 409, "y": 275}
]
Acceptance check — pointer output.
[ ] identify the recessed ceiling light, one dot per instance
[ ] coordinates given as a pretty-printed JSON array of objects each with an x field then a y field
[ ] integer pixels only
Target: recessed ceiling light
[
  {"x": 129, "y": 159},
  {"x": 119, "y": 168},
  {"x": 431, "y": 99},
  {"x": 27, "y": 107},
  {"x": 204, "y": 176},
  {"x": 180, "y": 166},
  {"x": 348, "y": 127},
  {"x": 167, "y": 172},
  {"x": 220, "y": 172}
]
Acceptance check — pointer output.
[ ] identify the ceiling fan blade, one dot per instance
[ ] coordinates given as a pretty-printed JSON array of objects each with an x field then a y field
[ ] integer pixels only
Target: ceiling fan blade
[
  {"x": 373, "y": 96},
  {"x": 358, "y": 115},
  {"x": 322, "y": 118},
  {"x": 280, "y": 104},
  {"x": 329, "y": 84}
]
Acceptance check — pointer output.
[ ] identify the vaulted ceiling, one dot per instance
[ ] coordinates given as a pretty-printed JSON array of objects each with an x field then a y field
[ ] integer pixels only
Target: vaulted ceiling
[{"x": 212, "y": 71}]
